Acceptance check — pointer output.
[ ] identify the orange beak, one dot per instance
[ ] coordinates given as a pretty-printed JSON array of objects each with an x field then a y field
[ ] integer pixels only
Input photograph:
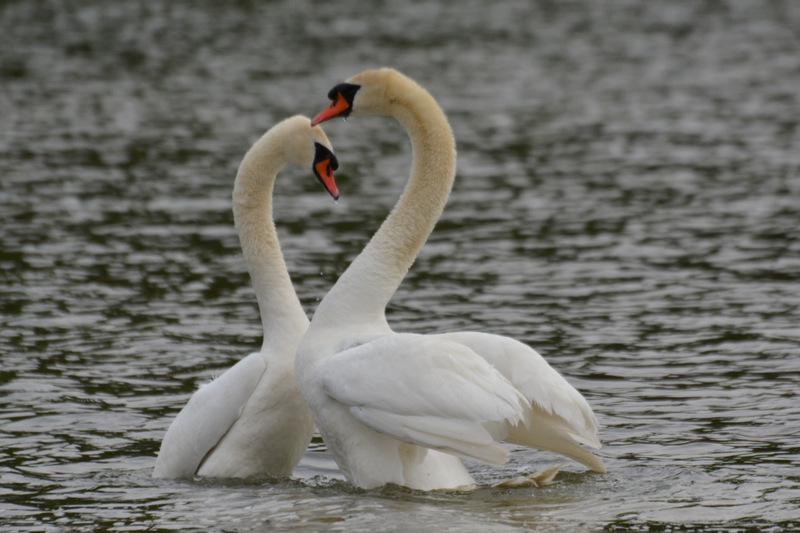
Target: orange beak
[
  {"x": 324, "y": 172},
  {"x": 337, "y": 107}
]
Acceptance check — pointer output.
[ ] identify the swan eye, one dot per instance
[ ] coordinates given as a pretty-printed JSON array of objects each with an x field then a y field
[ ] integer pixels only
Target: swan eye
[
  {"x": 323, "y": 153},
  {"x": 347, "y": 90}
]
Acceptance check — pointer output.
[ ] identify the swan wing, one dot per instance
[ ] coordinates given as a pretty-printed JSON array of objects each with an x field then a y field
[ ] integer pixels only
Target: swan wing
[
  {"x": 558, "y": 418},
  {"x": 425, "y": 391},
  {"x": 205, "y": 419}
]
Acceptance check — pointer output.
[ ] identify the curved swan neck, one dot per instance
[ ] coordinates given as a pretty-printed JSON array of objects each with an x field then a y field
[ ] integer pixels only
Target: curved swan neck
[
  {"x": 282, "y": 317},
  {"x": 366, "y": 287}
]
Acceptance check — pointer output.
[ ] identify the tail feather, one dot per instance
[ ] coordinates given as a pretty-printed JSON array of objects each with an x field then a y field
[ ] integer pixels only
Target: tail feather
[{"x": 549, "y": 432}]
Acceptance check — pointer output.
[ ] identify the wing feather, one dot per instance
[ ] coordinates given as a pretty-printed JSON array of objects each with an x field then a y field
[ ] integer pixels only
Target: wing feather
[
  {"x": 205, "y": 419},
  {"x": 425, "y": 391},
  {"x": 559, "y": 417}
]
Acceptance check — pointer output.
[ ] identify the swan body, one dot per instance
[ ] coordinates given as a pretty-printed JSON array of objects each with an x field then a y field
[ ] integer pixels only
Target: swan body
[
  {"x": 405, "y": 408},
  {"x": 252, "y": 420}
]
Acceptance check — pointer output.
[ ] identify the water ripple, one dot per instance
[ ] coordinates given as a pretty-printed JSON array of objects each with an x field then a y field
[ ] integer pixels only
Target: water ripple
[{"x": 626, "y": 202}]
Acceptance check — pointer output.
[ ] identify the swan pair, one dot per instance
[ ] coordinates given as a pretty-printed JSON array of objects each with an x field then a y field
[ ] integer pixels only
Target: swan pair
[{"x": 404, "y": 408}]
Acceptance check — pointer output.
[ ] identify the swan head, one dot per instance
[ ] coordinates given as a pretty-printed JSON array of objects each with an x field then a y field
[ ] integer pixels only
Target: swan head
[
  {"x": 367, "y": 93},
  {"x": 306, "y": 145}
]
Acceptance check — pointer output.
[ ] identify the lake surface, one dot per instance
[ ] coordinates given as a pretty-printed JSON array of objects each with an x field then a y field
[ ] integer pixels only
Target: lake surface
[{"x": 627, "y": 202}]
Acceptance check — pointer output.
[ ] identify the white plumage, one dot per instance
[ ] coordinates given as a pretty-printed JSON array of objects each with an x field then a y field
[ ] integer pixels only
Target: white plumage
[
  {"x": 252, "y": 420},
  {"x": 403, "y": 408}
]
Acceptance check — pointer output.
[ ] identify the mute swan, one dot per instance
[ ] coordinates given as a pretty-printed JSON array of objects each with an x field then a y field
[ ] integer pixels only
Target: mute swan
[
  {"x": 402, "y": 408},
  {"x": 252, "y": 420}
]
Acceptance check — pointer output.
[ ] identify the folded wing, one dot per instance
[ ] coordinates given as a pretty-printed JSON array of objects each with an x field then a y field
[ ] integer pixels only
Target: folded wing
[
  {"x": 558, "y": 418},
  {"x": 427, "y": 391},
  {"x": 205, "y": 419}
]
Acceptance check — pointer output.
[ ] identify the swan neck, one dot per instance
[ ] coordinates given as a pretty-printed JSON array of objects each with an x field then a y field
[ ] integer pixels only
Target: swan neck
[
  {"x": 282, "y": 316},
  {"x": 366, "y": 287}
]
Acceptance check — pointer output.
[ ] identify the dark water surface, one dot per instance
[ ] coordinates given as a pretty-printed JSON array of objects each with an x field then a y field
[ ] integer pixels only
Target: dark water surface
[{"x": 628, "y": 202}]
